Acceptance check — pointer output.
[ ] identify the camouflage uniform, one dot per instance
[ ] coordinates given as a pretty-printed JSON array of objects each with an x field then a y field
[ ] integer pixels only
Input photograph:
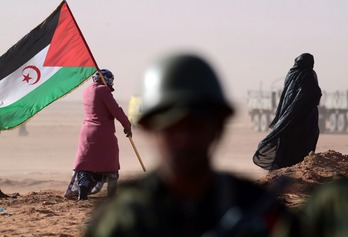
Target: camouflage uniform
[
  {"x": 326, "y": 213},
  {"x": 231, "y": 207}
]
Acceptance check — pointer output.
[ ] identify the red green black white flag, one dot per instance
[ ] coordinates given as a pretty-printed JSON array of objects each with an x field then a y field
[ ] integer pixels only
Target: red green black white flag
[{"x": 43, "y": 66}]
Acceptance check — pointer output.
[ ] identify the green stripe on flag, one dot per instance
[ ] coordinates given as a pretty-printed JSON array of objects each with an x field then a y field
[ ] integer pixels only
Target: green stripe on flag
[{"x": 61, "y": 83}]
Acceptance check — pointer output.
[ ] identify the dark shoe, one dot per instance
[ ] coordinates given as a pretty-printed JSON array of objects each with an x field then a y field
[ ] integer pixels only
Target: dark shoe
[
  {"x": 112, "y": 187},
  {"x": 83, "y": 193}
]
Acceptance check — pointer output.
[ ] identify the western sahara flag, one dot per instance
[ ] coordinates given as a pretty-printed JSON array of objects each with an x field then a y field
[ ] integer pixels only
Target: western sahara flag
[{"x": 44, "y": 65}]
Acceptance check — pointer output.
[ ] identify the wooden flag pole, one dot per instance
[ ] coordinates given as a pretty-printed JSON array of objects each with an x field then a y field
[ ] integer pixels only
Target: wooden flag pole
[
  {"x": 136, "y": 152},
  {"x": 102, "y": 77}
]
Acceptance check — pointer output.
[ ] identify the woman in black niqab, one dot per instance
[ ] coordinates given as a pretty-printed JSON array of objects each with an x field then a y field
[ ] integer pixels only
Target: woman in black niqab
[{"x": 295, "y": 129}]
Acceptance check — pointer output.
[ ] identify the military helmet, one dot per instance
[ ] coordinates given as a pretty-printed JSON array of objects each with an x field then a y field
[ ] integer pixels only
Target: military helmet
[
  {"x": 108, "y": 76},
  {"x": 180, "y": 84}
]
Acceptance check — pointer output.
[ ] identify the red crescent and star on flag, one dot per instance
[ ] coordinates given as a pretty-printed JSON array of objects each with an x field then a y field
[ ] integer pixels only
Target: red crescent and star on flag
[{"x": 31, "y": 69}]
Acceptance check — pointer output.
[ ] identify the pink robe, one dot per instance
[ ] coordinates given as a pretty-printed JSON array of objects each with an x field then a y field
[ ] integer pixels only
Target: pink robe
[{"x": 98, "y": 147}]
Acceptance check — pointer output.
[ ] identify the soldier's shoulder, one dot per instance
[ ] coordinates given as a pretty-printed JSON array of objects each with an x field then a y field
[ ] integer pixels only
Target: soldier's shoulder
[{"x": 142, "y": 185}]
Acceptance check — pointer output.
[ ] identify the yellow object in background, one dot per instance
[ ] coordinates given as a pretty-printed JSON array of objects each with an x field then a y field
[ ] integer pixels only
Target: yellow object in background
[{"x": 134, "y": 109}]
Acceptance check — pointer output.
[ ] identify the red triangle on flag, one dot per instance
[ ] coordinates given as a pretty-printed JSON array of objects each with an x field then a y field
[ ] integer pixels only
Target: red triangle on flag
[{"x": 68, "y": 48}]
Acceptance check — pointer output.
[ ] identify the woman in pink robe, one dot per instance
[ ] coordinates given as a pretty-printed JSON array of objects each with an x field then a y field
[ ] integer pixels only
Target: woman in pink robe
[{"x": 97, "y": 156}]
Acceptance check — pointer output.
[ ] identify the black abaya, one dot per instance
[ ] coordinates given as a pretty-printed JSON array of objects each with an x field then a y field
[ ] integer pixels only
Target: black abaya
[{"x": 295, "y": 129}]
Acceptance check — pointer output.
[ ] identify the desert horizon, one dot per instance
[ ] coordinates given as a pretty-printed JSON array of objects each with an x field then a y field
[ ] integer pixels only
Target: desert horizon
[{"x": 45, "y": 156}]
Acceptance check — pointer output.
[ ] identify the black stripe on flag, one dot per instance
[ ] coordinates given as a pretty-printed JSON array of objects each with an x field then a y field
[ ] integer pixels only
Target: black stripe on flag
[{"x": 29, "y": 45}]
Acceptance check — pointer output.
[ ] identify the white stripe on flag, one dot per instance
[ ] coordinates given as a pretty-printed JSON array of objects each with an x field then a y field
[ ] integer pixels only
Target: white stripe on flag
[{"x": 13, "y": 87}]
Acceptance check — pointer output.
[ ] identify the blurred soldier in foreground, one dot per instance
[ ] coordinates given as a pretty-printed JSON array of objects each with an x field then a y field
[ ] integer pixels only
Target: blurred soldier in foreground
[
  {"x": 185, "y": 113},
  {"x": 326, "y": 212}
]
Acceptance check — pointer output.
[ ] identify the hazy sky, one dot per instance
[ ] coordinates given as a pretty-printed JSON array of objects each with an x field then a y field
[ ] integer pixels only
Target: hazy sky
[{"x": 251, "y": 43}]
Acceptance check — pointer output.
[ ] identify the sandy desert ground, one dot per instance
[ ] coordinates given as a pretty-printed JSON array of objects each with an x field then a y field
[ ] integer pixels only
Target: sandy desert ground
[{"x": 38, "y": 167}]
